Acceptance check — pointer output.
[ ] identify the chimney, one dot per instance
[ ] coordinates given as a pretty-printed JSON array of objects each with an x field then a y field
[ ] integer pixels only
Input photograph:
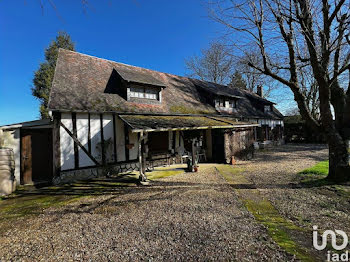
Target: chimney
[{"x": 260, "y": 90}]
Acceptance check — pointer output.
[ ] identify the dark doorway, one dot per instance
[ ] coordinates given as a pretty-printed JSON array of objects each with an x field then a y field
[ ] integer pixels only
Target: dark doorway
[
  {"x": 36, "y": 156},
  {"x": 218, "y": 145},
  {"x": 158, "y": 142}
]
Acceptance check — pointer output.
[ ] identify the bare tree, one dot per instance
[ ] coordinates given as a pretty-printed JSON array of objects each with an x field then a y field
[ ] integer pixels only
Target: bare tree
[
  {"x": 253, "y": 77},
  {"x": 309, "y": 88},
  {"x": 295, "y": 34},
  {"x": 215, "y": 64}
]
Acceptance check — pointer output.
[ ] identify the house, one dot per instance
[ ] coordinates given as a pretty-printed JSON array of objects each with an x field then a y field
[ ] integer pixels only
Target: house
[{"x": 109, "y": 114}]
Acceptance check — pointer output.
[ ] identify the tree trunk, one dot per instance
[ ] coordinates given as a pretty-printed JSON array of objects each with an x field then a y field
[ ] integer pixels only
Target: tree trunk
[{"x": 339, "y": 169}]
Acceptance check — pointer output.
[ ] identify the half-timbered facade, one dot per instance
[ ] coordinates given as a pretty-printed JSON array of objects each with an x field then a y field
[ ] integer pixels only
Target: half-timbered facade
[{"x": 108, "y": 114}]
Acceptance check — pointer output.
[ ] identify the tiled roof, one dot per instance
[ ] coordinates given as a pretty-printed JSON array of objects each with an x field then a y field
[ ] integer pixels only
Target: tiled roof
[
  {"x": 81, "y": 81},
  {"x": 131, "y": 75}
]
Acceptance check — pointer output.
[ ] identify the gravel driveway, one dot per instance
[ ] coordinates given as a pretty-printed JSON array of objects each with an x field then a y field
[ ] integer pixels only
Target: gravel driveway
[
  {"x": 274, "y": 173},
  {"x": 191, "y": 216}
]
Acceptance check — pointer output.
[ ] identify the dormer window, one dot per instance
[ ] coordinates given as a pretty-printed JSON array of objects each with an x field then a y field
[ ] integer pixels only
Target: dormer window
[
  {"x": 267, "y": 108},
  {"x": 233, "y": 104},
  {"x": 144, "y": 92},
  {"x": 221, "y": 102}
]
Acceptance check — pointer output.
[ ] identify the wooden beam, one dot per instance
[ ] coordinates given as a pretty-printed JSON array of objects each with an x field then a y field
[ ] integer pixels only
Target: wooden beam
[
  {"x": 142, "y": 168},
  {"x": 75, "y": 133},
  {"x": 102, "y": 141},
  {"x": 126, "y": 135},
  {"x": 174, "y": 141},
  {"x": 89, "y": 133},
  {"x": 114, "y": 139},
  {"x": 80, "y": 145},
  {"x": 193, "y": 128},
  {"x": 56, "y": 143}
]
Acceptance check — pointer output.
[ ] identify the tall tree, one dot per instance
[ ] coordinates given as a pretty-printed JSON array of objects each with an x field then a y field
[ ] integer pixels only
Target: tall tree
[
  {"x": 253, "y": 77},
  {"x": 295, "y": 34},
  {"x": 215, "y": 64},
  {"x": 238, "y": 81},
  {"x": 44, "y": 75}
]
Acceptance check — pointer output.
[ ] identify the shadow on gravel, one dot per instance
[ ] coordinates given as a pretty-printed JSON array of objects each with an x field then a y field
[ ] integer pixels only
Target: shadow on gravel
[{"x": 280, "y": 153}]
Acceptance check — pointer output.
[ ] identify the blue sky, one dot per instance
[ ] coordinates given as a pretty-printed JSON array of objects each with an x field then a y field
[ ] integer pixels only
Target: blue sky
[{"x": 155, "y": 34}]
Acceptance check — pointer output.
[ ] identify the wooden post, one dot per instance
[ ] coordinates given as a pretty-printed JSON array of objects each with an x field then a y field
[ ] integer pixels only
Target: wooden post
[
  {"x": 102, "y": 141},
  {"x": 126, "y": 135},
  {"x": 193, "y": 154},
  {"x": 142, "y": 176},
  {"x": 75, "y": 133},
  {"x": 89, "y": 133},
  {"x": 114, "y": 140},
  {"x": 56, "y": 144}
]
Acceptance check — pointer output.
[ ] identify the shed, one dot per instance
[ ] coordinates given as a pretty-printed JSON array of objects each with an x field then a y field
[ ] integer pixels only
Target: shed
[{"x": 32, "y": 146}]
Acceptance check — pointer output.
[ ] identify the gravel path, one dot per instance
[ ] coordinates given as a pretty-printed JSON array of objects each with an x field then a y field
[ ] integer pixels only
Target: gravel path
[
  {"x": 192, "y": 217},
  {"x": 274, "y": 173}
]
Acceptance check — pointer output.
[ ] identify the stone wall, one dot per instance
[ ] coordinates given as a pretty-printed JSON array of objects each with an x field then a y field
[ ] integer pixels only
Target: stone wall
[{"x": 89, "y": 173}]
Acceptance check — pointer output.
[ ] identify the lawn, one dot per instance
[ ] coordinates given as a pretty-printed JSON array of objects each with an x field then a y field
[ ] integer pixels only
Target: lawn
[{"x": 320, "y": 168}]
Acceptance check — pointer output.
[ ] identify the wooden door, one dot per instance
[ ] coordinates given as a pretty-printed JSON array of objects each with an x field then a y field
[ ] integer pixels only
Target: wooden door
[
  {"x": 26, "y": 159},
  {"x": 36, "y": 156}
]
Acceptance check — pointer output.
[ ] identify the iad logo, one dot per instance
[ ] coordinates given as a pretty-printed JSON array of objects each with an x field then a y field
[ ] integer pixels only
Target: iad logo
[
  {"x": 333, "y": 239},
  {"x": 333, "y": 236}
]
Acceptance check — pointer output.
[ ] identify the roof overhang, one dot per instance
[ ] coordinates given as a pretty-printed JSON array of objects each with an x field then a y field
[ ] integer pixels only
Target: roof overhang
[
  {"x": 158, "y": 123},
  {"x": 44, "y": 123},
  {"x": 138, "y": 77}
]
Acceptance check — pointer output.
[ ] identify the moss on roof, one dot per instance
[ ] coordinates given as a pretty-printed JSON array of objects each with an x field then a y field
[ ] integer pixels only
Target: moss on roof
[
  {"x": 147, "y": 122},
  {"x": 83, "y": 83}
]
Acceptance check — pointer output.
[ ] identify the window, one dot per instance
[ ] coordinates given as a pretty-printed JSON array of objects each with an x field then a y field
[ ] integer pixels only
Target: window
[
  {"x": 151, "y": 93},
  {"x": 232, "y": 104},
  {"x": 138, "y": 92},
  {"x": 143, "y": 92},
  {"x": 220, "y": 102},
  {"x": 267, "y": 108}
]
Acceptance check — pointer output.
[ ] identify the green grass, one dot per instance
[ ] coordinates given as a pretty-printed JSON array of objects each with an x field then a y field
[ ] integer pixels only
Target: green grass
[
  {"x": 278, "y": 228},
  {"x": 31, "y": 205},
  {"x": 160, "y": 172},
  {"x": 31, "y": 201},
  {"x": 320, "y": 168}
]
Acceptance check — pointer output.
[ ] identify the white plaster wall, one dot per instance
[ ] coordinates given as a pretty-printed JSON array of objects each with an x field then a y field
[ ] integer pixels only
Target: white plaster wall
[
  {"x": 67, "y": 143},
  {"x": 95, "y": 132},
  {"x": 119, "y": 134},
  {"x": 133, "y": 139},
  {"x": 108, "y": 134},
  {"x": 12, "y": 139},
  {"x": 83, "y": 137},
  {"x": 270, "y": 123}
]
